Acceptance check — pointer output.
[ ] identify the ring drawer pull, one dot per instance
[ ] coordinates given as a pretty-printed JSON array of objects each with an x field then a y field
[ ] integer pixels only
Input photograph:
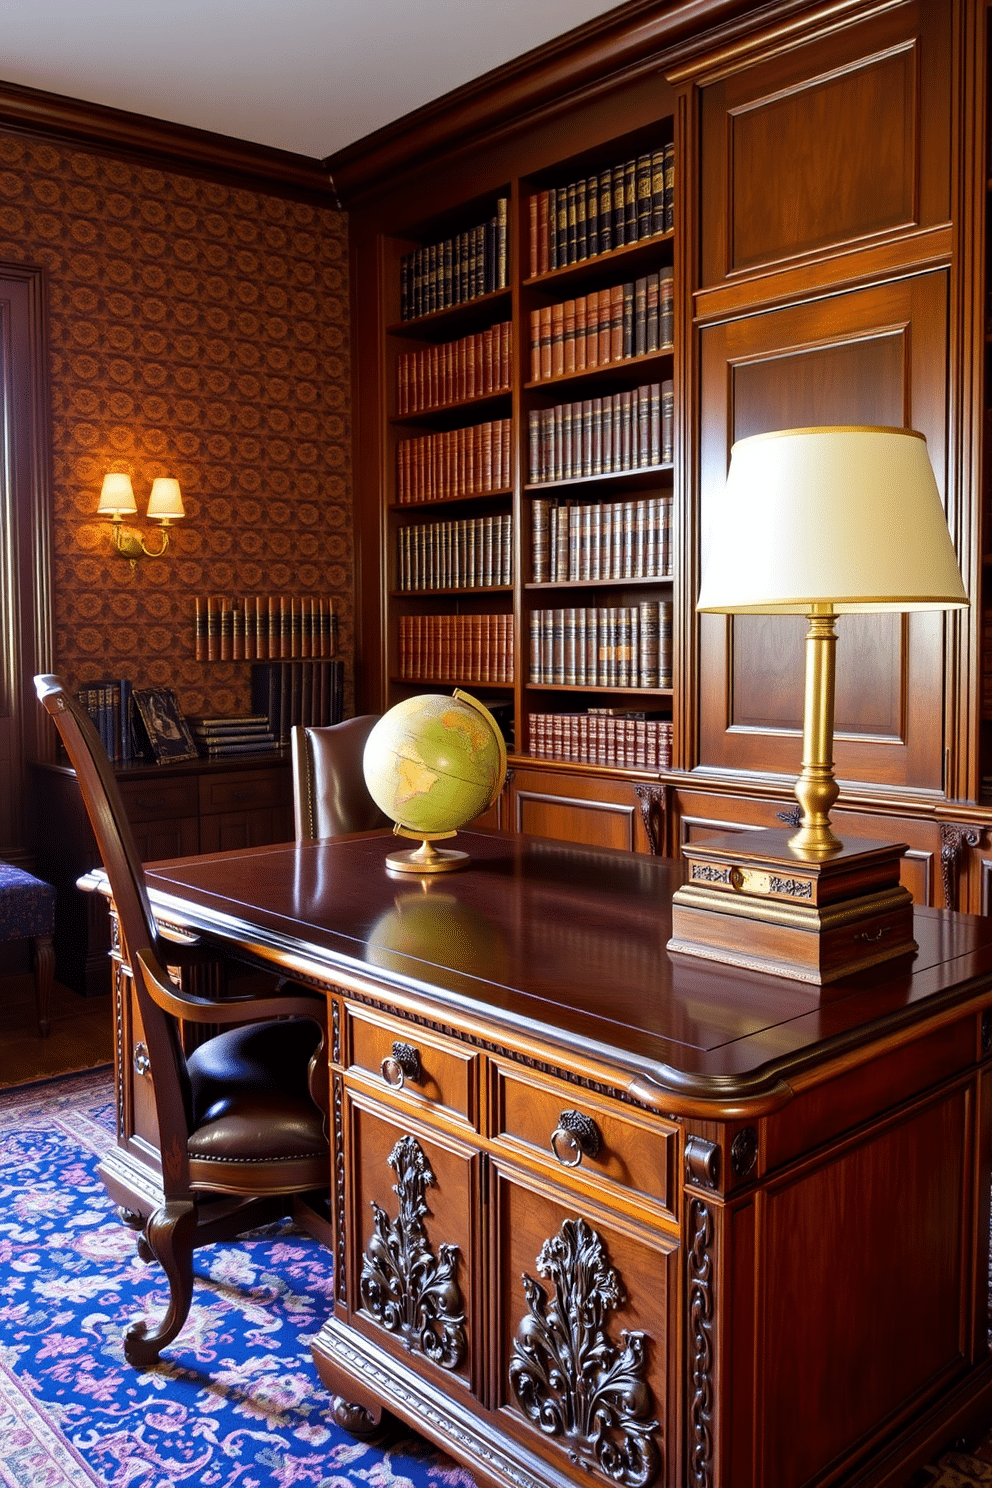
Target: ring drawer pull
[
  {"x": 576, "y": 1136},
  {"x": 402, "y": 1065},
  {"x": 142, "y": 1063}
]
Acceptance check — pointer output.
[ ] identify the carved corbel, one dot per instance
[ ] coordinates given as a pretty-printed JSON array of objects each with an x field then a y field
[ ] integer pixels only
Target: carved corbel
[
  {"x": 954, "y": 838},
  {"x": 652, "y": 800}
]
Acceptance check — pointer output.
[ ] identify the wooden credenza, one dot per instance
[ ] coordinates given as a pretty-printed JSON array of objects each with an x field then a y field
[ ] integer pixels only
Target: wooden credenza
[
  {"x": 602, "y": 1215},
  {"x": 189, "y": 807}
]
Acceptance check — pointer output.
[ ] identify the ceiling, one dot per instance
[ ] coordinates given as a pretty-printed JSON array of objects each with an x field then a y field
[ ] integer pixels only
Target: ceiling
[{"x": 309, "y": 76}]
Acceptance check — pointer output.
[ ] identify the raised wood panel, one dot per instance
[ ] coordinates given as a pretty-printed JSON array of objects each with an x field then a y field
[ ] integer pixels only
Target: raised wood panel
[
  {"x": 874, "y": 356},
  {"x": 592, "y": 809},
  {"x": 621, "y": 1280},
  {"x": 450, "y": 1219},
  {"x": 812, "y": 1232},
  {"x": 842, "y": 140}
]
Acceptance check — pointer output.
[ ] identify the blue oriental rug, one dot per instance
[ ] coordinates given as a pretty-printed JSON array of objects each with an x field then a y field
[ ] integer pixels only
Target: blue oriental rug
[{"x": 236, "y": 1399}]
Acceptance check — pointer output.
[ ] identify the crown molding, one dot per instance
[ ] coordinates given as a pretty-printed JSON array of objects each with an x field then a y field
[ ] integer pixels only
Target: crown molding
[
  {"x": 200, "y": 152},
  {"x": 623, "y": 41}
]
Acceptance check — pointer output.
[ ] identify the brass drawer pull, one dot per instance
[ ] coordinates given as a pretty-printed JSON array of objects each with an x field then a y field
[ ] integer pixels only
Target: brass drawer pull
[
  {"x": 402, "y": 1065},
  {"x": 142, "y": 1063},
  {"x": 576, "y": 1136}
]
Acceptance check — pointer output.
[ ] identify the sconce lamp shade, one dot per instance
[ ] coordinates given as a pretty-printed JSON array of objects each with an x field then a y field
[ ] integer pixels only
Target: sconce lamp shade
[
  {"x": 116, "y": 497},
  {"x": 165, "y": 502},
  {"x": 849, "y": 518}
]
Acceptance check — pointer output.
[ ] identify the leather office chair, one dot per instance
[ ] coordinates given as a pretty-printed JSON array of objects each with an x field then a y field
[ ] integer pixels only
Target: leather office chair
[
  {"x": 243, "y": 1119},
  {"x": 329, "y": 791}
]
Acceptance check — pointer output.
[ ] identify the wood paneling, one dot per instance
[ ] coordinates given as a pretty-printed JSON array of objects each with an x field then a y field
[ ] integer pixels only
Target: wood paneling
[
  {"x": 911, "y": 1171},
  {"x": 872, "y": 356},
  {"x": 834, "y": 143}
]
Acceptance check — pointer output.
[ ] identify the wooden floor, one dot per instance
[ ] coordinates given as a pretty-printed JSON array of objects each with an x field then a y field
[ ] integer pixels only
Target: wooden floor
[{"x": 81, "y": 1036}]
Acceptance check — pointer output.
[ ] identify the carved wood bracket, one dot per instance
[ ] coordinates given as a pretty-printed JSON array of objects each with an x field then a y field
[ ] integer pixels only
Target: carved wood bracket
[
  {"x": 652, "y": 802},
  {"x": 954, "y": 838}
]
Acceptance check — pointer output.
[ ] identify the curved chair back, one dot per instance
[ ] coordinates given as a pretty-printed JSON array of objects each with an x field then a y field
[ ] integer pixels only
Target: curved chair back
[
  {"x": 116, "y": 846},
  {"x": 242, "y": 1122},
  {"x": 330, "y": 796}
]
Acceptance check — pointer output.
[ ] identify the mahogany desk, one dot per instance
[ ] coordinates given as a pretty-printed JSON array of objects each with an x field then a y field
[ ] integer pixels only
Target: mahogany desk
[{"x": 602, "y": 1215}]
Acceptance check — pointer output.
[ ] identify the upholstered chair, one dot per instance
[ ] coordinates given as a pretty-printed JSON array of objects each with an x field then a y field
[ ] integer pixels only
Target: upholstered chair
[
  {"x": 330, "y": 796},
  {"x": 243, "y": 1119}
]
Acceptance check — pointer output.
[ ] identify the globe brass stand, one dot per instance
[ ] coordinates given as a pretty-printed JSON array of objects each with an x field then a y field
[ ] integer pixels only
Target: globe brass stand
[{"x": 426, "y": 858}]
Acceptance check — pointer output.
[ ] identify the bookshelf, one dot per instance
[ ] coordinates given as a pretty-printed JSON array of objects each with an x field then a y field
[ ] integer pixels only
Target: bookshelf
[
  {"x": 824, "y": 262},
  {"x": 526, "y": 440}
]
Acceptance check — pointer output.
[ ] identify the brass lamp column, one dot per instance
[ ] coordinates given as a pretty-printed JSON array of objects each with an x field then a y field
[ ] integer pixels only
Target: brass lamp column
[
  {"x": 816, "y": 789},
  {"x": 815, "y": 522}
]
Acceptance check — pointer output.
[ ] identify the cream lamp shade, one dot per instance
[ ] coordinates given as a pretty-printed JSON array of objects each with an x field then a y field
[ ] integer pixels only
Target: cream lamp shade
[
  {"x": 116, "y": 497},
  {"x": 845, "y": 517},
  {"x": 165, "y": 502}
]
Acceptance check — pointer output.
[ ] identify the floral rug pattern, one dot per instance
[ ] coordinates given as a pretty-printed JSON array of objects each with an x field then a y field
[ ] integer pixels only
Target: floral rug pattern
[{"x": 235, "y": 1401}]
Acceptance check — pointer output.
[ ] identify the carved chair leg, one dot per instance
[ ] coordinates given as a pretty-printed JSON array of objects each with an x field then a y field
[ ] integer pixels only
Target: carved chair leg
[
  {"x": 43, "y": 958},
  {"x": 169, "y": 1234}
]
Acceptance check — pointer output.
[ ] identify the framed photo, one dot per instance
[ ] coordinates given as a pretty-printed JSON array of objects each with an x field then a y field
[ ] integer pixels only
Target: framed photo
[{"x": 168, "y": 734}]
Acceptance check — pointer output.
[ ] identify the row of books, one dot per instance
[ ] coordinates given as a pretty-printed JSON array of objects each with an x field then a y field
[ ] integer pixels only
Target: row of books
[
  {"x": 456, "y": 270},
  {"x": 986, "y": 703},
  {"x": 606, "y": 326},
  {"x": 473, "y": 461},
  {"x": 310, "y": 693},
  {"x": 609, "y": 646},
  {"x": 228, "y": 736},
  {"x": 618, "y": 738},
  {"x": 475, "y": 366},
  {"x": 264, "y": 627},
  {"x": 107, "y": 701},
  {"x": 462, "y": 648},
  {"x": 617, "y": 205},
  {"x": 603, "y": 436},
  {"x": 601, "y": 540},
  {"x": 474, "y": 553}
]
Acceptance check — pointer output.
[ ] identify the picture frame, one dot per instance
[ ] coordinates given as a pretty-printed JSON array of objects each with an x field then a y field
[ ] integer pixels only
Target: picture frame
[{"x": 168, "y": 734}]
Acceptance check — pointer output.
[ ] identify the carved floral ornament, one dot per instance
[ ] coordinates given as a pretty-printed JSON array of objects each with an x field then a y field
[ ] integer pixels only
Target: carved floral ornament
[
  {"x": 569, "y": 1378},
  {"x": 404, "y": 1286}
]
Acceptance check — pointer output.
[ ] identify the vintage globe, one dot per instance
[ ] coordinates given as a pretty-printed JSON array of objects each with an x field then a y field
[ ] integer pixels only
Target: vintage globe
[{"x": 432, "y": 764}]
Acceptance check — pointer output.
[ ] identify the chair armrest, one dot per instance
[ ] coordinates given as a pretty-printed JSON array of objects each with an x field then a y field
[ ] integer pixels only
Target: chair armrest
[{"x": 179, "y": 1004}]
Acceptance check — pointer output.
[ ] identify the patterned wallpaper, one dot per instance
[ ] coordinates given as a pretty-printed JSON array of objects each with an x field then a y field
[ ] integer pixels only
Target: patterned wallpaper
[{"x": 198, "y": 331}]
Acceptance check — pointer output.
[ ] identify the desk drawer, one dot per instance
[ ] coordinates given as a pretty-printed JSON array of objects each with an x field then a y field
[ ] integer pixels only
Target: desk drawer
[
  {"x": 243, "y": 791},
  {"x": 159, "y": 800},
  {"x": 637, "y": 1153},
  {"x": 439, "y": 1074}
]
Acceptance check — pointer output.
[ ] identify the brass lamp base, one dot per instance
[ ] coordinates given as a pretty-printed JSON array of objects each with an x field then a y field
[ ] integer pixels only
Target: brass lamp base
[{"x": 755, "y": 900}]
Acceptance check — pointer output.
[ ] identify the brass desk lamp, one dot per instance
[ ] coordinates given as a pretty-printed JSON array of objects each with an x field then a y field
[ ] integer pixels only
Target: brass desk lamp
[{"x": 816, "y": 522}]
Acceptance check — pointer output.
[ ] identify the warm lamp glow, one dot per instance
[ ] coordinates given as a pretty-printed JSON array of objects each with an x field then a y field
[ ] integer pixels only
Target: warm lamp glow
[
  {"x": 818, "y": 522},
  {"x": 165, "y": 504},
  {"x": 116, "y": 497}
]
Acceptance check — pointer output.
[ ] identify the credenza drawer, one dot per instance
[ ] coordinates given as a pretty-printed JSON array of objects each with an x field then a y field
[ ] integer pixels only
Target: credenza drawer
[
  {"x": 244, "y": 791},
  {"x": 159, "y": 800},
  {"x": 565, "y": 1132},
  {"x": 403, "y": 1063}
]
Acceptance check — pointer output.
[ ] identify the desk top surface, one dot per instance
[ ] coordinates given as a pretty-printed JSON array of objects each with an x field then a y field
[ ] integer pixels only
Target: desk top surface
[{"x": 567, "y": 943}]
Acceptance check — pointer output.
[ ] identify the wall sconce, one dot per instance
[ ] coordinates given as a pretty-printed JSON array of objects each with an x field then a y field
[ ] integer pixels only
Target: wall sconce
[{"x": 165, "y": 505}]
